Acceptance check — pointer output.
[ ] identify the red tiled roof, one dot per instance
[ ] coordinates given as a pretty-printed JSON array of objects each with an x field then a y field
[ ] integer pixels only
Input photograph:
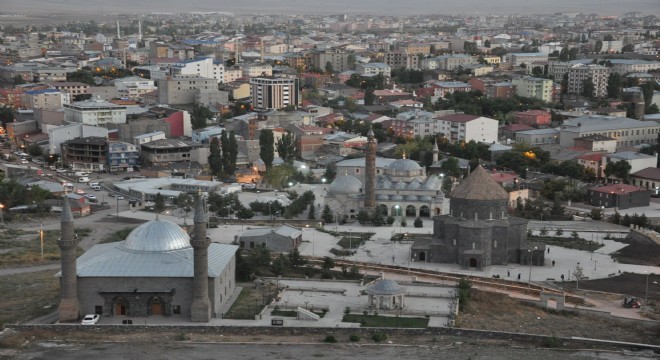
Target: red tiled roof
[
  {"x": 517, "y": 127},
  {"x": 503, "y": 177},
  {"x": 648, "y": 173},
  {"x": 591, "y": 157},
  {"x": 617, "y": 189}
]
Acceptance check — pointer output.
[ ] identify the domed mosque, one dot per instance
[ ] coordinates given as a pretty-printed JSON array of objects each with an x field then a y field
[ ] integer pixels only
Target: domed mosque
[
  {"x": 158, "y": 270},
  {"x": 478, "y": 231},
  {"x": 403, "y": 185}
]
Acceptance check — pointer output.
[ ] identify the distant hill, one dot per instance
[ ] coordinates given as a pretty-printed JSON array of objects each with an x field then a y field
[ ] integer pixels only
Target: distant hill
[{"x": 375, "y": 7}]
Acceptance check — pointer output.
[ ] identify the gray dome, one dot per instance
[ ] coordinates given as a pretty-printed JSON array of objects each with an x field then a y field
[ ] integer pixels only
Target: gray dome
[
  {"x": 425, "y": 198},
  {"x": 414, "y": 185},
  {"x": 345, "y": 185},
  {"x": 157, "y": 236},
  {"x": 383, "y": 197},
  {"x": 386, "y": 287},
  {"x": 397, "y": 197},
  {"x": 411, "y": 197},
  {"x": 400, "y": 185},
  {"x": 404, "y": 165}
]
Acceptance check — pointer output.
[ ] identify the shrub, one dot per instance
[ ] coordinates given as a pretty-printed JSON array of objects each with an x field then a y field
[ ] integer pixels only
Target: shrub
[
  {"x": 403, "y": 223},
  {"x": 365, "y": 313},
  {"x": 379, "y": 337},
  {"x": 347, "y": 310},
  {"x": 354, "y": 337},
  {"x": 551, "y": 342},
  {"x": 330, "y": 339},
  {"x": 418, "y": 223}
]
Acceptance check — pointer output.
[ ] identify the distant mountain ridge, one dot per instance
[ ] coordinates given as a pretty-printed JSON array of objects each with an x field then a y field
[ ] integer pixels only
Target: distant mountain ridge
[{"x": 375, "y": 7}]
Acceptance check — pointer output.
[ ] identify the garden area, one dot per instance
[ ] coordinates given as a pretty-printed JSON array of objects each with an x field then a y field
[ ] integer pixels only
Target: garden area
[
  {"x": 251, "y": 300},
  {"x": 376, "y": 320},
  {"x": 24, "y": 248},
  {"x": 572, "y": 242}
]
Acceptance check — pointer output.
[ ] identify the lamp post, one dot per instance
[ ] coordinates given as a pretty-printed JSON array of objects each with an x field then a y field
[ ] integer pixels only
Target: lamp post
[
  {"x": 117, "y": 208},
  {"x": 2, "y": 215},
  {"x": 41, "y": 241},
  {"x": 577, "y": 277},
  {"x": 350, "y": 240},
  {"x": 531, "y": 260},
  {"x": 646, "y": 293}
]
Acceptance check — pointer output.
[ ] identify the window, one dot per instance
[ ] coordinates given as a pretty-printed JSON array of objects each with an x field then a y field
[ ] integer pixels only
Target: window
[
  {"x": 98, "y": 309},
  {"x": 176, "y": 309}
]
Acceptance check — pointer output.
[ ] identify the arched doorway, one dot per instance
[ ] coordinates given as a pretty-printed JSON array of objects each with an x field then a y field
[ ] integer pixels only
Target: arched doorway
[
  {"x": 422, "y": 256},
  {"x": 382, "y": 209},
  {"x": 437, "y": 211},
  {"x": 473, "y": 262},
  {"x": 396, "y": 210},
  {"x": 424, "y": 211},
  {"x": 411, "y": 211},
  {"x": 120, "y": 306},
  {"x": 156, "y": 306}
]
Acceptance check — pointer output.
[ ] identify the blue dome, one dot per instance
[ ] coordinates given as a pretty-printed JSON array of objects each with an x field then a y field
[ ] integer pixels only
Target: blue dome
[
  {"x": 345, "y": 185},
  {"x": 157, "y": 236}
]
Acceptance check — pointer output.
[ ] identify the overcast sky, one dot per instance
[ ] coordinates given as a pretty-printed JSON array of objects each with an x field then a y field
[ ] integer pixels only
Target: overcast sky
[{"x": 376, "y": 7}]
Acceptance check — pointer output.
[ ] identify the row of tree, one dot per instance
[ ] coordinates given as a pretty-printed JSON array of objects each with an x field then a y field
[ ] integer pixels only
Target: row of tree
[{"x": 223, "y": 155}]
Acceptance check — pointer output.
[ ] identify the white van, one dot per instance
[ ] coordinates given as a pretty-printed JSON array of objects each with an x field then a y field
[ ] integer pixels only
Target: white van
[
  {"x": 83, "y": 179},
  {"x": 93, "y": 184},
  {"x": 81, "y": 173}
]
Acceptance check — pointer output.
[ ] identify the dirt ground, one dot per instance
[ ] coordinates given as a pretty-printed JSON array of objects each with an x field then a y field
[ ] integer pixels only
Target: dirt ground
[
  {"x": 491, "y": 311},
  {"x": 627, "y": 284},
  {"x": 640, "y": 251}
]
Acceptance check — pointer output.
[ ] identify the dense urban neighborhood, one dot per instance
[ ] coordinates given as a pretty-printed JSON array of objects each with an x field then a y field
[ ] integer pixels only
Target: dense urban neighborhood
[{"x": 417, "y": 180}]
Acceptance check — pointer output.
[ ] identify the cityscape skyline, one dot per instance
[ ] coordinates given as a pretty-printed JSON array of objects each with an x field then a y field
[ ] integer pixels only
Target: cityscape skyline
[{"x": 370, "y": 7}]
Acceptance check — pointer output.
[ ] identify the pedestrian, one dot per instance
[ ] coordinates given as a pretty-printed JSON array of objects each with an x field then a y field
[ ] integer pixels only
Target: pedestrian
[
  {"x": 518, "y": 276},
  {"x": 553, "y": 263},
  {"x": 508, "y": 273},
  {"x": 562, "y": 277},
  {"x": 392, "y": 258},
  {"x": 548, "y": 250}
]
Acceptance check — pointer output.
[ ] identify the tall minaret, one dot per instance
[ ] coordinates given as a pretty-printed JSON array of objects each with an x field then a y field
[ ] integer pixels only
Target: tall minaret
[
  {"x": 139, "y": 39},
  {"x": 118, "y": 32},
  {"x": 436, "y": 151},
  {"x": 69, "y": 308},
  {"x": 370, "y": 174},
  {"x": 200, "y": 310}
]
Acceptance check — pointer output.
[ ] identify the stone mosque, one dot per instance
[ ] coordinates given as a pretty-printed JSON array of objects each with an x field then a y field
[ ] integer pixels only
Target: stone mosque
[
  {"x": 402, "y": 185},
  {"x": 158, "y": 270}
]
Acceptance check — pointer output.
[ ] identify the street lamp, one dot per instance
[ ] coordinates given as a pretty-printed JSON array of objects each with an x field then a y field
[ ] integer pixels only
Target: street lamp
[
  {"x": 646, "y": 294},
  {"x": 577, "y": 277},
  {"x": 41, "y": 242},
  {"x": 350, "y": 240},
  {"x": 2, "y": 215},
  {"x": 531, "y": 260}
]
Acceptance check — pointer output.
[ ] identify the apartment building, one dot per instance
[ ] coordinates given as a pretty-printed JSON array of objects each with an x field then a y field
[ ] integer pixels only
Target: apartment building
[
  {"x": 257, "y": 69},
  {"x": 88, "y": 154},
  {"x": 533, "y": 87},
  {"x": 372, "y": 69},
  {"x": 637, "y": 161},
  {"x": 449, "y": 87},
  {"x": 597, "y": 74},
  {"x": 627, "y": 132},
  {"x": 463, "y": 127},
  {"x": 517, "y": 59},
  {"x": 165, "y": 151},
  {"x": 625, "y": 66},
  {"x": 95, "y": 112},
  {"x": 338, "y": 58},
  {"x": 134, "y": 87},
  {"x": 122, "y": 156},
  {"x": 182, "y": 89},
  {"x": 204, "y": 67},
  {"x": 401, "y": 59},
  {"x": 448, "y": 62},
  {"x": 45, "y": 99},
  {"x": 272, "y": 93},
  {"x": 72, "y": 88}
]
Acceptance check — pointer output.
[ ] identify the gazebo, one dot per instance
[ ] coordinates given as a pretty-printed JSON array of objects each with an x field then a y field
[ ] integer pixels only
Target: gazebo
[{"x": 386, "y": 294}]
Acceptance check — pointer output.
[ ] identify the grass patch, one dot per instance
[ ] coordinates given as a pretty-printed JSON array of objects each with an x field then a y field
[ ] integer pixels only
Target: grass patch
[
  {"x": 25, "y": 247},
  {"x": 27, "y": 296},
  {"x": 118, "y": 235},
  {"x": 250, "y": 301},
  {"x": 386, "y": 321},
  {"x": 568, "y": 242},
  {"x": 353, "y": 241}
]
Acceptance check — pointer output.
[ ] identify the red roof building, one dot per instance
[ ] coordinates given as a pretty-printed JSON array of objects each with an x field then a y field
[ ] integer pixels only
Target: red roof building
[{"x": 618, "y": 196}]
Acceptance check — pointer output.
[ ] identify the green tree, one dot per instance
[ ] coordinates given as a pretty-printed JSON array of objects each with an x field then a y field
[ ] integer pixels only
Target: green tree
[
  {"x": 215, "y": 157},
  {"x": 286, "y": 147},
  {"x": 614, "y": 85},
  {"x": 278, "y": 176},
  {"x": 199, "y": 116},
  {"x": 328, "y": 68},
  {"x": 351, "y": 61},
  {"x": 83, "y": 76},
  {"x": 327, "y": 215},
  {"x": 328, "y": 263},
  {"x": 266, "y": 147},
  {"x": 18, "y": 80},
  {"x": 224, "y": 146},
  {"x": 311, "y": 215},
  {"x": 35, "y": 150},
  {"x": 296, "y": 259},
  {"x": 537, "y": 71},
  {"x": 418, "y": 222},
  {"x": 232, "y": 153},
  {"x": 280, "y": 265},
  {"x": 184, "y": 201},
  {"x": 588, "y": 89},
  {"x": 369, "y": 96},
  {"x": 159, "y": 203},
  {"x": 619, "y": 169},
  {"x": 559, "y": 232},
  {"x": 598, "y": 46}
]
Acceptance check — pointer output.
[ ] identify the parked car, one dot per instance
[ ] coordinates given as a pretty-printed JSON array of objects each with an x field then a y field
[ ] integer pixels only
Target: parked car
[
  {"x": 120, "y": 197},
  {"x": 90, "y": 196},
  {"x": 90, "y": 319}
]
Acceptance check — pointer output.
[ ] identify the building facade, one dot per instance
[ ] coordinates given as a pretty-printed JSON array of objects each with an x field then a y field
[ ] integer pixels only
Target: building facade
[
  {"x": 95, "y": 112},
  {"x": 88, "y": 154},
  {"x": 122, "y": 156},
  {"x": 274, "y": 93}
]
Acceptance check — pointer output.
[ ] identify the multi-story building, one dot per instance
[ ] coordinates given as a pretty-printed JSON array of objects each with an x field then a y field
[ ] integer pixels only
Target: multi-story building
[
  {"x": 60, "y": 134},
  {"x": 257, "y": 69},
  {"x": 637, "y": 161},
  {"x": 533, "y": 117},
  {"x": 204, "y": 135},
  {"x": 627, "y": 132},
  {"x": 416, "y": 48},
  {"x": 449, "y": 87},
  {"x": 134, "y": 86},
  {"x": 166, "y": 151},
  {"x": 204, "y": 67},
  {"x": 402, "y": 59},
  {"x": 371, "y": 69},
  {"x": 618, "y": 196},
  {"x": 122, "y": 156},
  {"x": 463, "y": 127},
  {"x": 533, "y": 87},
  {"x": 448, "y": 62},
  {"x": 72, "y": 88},
  {"x": 597, "y": 74},
  {"x": 625, "y": 66},
  {"x": 538, "y": 136},
  {"x": 148, "y": 137},
  {"x": 338, "y": 58},
  {"x": 46, "y": 99},
  {"x": 182, "y": 89},
  {"x": 162, "y": 50},
  {"x": 89, "y": 154},
  {"x": 95, "y": 112},
  {"x": 11, "y": 98},
  {"x": 272, "y": 93},
  {"x": 517, "y": 59}
]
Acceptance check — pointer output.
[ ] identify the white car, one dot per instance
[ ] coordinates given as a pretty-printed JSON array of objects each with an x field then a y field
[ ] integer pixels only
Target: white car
[
  {"x": 120, "y": 197},
  {"x": 90, "y": 319},
  {"x": 90, "y": 196}
]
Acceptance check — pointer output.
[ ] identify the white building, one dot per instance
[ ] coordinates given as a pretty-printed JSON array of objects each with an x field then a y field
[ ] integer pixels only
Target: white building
[
  {"x": 134, "y": 86},
  {"x": 272, "y": 93},
  {"x": 637, "y": 161},
  {"x": 463, "y": 127},
  {"x": 627, "y": 132},
  {"x": 516, "y": 59},
  {"x": 533, "y": 87},
  {"x": 148, "y": 137},
  {"x": 58, "y": 135},
  {"x": 578, "y": 74},
  {"x": 95, "y": 112},
  {"x": 625, "y": 66},
  {"x": 204, "y": 67},
  {"x": 372, "y": 69},
  {"x": 257, "y": 69}
]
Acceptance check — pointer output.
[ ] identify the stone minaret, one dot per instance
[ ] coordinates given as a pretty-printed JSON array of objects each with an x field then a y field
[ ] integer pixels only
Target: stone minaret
[
  {"x": 370, "y": 174},
  {"x": 69, "y": 307},
  {"x": 436, "y": 151},
  {"x": 200, "y": 310}
]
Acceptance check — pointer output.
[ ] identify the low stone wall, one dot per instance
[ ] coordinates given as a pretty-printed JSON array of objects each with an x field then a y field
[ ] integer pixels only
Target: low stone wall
[{"x": 340, "y": 333}]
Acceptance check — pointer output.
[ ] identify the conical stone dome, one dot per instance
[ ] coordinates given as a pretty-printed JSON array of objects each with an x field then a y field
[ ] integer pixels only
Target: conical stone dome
[{"x": 479, "y": 185}]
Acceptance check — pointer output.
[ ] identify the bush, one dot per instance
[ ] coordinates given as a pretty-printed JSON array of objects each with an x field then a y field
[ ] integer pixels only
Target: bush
[
  {"x": 403, "y": 223},
  {"x": 347, "y": 310},
  {"x": 379, "y": 337},
  {"x": 354, "y": 337},
  {"x": 390, "y": 220},
  {"x": 330, "y": 339},
  {"x": 551, "y": 342},
  {"x": 418, "y": 223}
]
